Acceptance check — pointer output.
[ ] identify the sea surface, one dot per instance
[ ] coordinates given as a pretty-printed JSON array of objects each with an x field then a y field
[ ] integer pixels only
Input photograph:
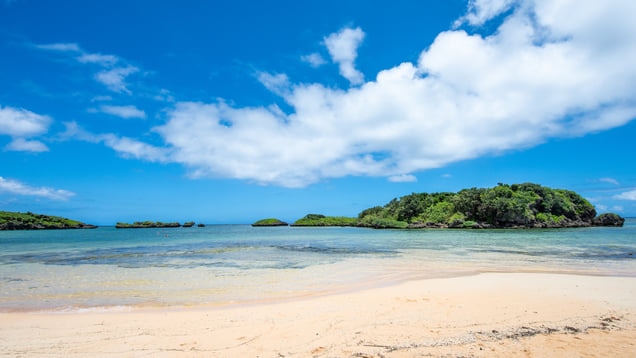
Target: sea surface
[{"x": 113, "y": 269}]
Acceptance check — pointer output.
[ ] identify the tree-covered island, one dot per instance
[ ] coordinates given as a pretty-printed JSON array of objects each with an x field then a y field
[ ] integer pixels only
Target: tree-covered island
[
  {"x": 10, "y": 220},
  {"x": 270, "y": 222},
  {"x": 149, "y": 225},
  {"x": 525, "y": 205}
]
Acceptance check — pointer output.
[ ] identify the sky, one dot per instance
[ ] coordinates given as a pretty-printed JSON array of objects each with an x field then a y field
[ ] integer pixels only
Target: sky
[{"x": 234, "y": 111}]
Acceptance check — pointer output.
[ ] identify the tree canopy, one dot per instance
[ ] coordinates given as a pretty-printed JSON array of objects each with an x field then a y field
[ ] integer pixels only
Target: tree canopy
[
  {"x": 10, "y": 220},
  {"x": 526, "y": 205},
  {"x": 516, "y": 205}
]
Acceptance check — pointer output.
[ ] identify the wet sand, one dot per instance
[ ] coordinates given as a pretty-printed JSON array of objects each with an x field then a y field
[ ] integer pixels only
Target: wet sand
[{"x": 485, "y": 315}]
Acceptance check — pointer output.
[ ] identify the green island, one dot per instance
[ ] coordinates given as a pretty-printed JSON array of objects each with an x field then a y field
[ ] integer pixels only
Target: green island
[
  {"x": 151, "y": 225},
  {"x": 270, "y": 222},
  {"x": 29, "y": 221},
  {"x": 322, "y": 220},
  {"x": 526, "y": 205}
]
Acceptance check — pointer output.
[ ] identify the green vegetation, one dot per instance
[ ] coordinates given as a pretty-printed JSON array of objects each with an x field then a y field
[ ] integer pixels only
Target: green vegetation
[
  {"x": 321, "y": 220},
  {"x": 270, "y": 222},
  {"x": 30, "y": 221},
  {"x": 525, "y": 205},
  {"x": 517, "y": 205},
  {"x": 146, "y": 225}
]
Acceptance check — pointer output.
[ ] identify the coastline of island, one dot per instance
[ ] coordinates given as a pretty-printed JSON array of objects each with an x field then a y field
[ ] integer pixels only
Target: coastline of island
[
  {"x": 154, "y": 225},
  {"x": 516, "y": 206},
  {"x": 10, "y": 220}
]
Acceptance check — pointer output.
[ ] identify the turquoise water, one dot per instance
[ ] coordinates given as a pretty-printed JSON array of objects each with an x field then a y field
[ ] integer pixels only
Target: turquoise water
[{"x": 107, "y": 268}]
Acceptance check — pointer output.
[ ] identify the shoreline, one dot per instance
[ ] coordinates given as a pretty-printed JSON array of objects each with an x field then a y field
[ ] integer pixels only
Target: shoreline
[
  {"x": 500, "y": 314},
  {"x": 386, "y": 281}
]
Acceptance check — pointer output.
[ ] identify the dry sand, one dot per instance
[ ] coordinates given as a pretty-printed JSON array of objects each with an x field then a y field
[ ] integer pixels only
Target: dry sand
[{"x": 487, "y": 315}]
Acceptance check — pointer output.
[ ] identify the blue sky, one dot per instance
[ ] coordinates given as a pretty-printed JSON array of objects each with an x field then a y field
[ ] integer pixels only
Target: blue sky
[{"x": 232, "y": 111}]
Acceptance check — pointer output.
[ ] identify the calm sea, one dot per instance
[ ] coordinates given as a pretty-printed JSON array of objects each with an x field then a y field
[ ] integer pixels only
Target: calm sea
[{"x": 108, "y": 268}]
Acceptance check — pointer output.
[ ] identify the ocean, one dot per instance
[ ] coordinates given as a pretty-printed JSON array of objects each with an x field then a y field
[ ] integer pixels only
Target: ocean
[{"x": 119, "y": 269}]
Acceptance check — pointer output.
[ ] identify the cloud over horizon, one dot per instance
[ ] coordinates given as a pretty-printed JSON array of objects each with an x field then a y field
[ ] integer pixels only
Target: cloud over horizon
[{"x": 549, "y": 70}]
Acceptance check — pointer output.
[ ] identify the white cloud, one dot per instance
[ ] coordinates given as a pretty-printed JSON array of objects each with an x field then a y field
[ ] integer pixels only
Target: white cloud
[
  {"x": 104, "y": 60},
  {"x": 124, "y": 111},
  {"x": 18, "y": 122},
  {"x": 343, "y": 48},
  {"x": 610, "y": 181},
  {"x": 628, "y": 195},
  {"x": 552, "y": 68},
  {"x": 403, "y": 178},
  {"x": 24, "y": 145},
  {"x": 131, "y": 148},
  {"x": 115, "y": 79},
  {"x": 480, "y": 11},
  {"x": 164, "y": 95},
  {"x": 278, "y": 83},
  {"x": 314, "y": 60},
  {"x": 61, "y": 47},
  {"x": 21, "y": 124},
  {"x": 126, "y": 147},
  {"x": 101, "y": 99},
  {"x": 16, "y": 187},
  {"x": 113, "y": 71}
]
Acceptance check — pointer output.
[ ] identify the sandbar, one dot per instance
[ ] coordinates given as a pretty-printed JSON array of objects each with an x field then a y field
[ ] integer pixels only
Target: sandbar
[{"x": 483, "y": 315}]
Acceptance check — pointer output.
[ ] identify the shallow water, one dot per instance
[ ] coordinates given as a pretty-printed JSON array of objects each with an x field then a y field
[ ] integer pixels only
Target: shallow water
[{"x": 107, "y": 267}]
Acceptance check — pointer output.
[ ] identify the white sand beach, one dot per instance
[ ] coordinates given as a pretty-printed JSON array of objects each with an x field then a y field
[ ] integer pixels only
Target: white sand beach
[{"x": 485, "y": 315}]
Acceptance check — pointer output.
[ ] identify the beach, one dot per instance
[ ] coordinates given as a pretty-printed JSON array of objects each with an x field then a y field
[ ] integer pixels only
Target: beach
[{"x": 482, "y": 315}]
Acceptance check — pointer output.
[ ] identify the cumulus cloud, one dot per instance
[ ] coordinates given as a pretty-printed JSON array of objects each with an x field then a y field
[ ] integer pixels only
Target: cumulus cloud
[
  {"x": 480, "y": 11},
  {"x": 123, "y": 111},
  {"x": 19, "y": 188},
  {"x": 21, "y": 124},
  {"x": 343, "y": 48},
  {"x": 628, "y": 195},
  {"x": 551, "y": 69}
]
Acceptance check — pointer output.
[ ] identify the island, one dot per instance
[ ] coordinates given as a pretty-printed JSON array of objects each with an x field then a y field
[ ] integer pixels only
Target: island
[
  {"x": 147, "y": 225},
  {"x": 526, "y": 205},
  {"x": 322, "y": 220},
  {"x": 10, "y": 220},
  {"x": 270, "y": 222}
]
